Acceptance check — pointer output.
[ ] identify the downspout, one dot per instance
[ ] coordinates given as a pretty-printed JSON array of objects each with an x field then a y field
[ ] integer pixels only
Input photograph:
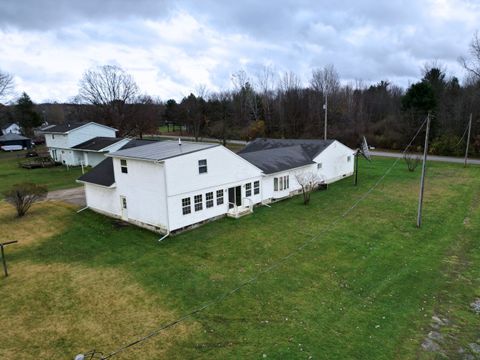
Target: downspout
[{"x": 166, "y": 201}]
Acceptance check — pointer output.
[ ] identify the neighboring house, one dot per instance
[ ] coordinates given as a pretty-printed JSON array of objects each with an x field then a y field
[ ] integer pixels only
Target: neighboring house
[
  {"x": 60, "y": 140},
  {"x": 168, "y": 186},
  {"x": 11, "y": 142},
  {"x": 11, "y": 128}
]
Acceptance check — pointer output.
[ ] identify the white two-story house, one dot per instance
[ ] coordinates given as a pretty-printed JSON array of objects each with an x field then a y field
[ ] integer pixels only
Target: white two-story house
[
  {"x": 81, "y": 142},
  {"x": 167, "y": 186}
]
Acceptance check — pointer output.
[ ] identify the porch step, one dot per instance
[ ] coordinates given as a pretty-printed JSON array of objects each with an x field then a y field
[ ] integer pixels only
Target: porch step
[{"x": 239, "y": 214}]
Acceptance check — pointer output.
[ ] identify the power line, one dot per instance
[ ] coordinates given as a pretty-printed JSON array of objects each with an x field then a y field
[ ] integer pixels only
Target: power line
[{"x": 264, "y": 271}]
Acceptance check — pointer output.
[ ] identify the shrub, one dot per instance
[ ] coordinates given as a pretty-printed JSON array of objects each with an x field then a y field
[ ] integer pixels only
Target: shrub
[{"x": 23, "y": 195}]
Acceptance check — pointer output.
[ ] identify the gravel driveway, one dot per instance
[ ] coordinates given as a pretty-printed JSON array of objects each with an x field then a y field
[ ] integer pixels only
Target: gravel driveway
[{"x": 75, "y": 196}]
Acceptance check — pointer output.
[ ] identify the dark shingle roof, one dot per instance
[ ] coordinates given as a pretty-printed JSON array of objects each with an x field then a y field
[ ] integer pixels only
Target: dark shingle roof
[
  {"x": 162, "y": 150},
  {"x": 62, "y": 128},
  {"x": 312, "y": 147},
  {"x": 278, "y": 159},
  {"x": 12, "y": 136},
  {"x": 102, "y": 174},
  {"x": 274, "y": 155},
  {"x": 97, "y": 143}
]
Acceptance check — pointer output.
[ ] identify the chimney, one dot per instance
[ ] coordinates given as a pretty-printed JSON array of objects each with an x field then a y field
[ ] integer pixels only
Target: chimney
[{"x": 179, "y": 142}]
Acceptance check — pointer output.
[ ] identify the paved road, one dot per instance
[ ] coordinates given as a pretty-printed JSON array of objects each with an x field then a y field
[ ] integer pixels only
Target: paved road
[
  {"x": 75, "y": 196},
  {"x": 449, "y": 159}
]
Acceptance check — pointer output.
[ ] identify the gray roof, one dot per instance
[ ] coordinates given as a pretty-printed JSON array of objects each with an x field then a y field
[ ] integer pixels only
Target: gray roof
[
  {"x": 62, "y": 128},
  {"x": 12, "y": 137},
  {"x": 66, "y": 127},
  {"x": 97, "y": 143},
  {"x": 278, "y": 159},
  {"x": 312, "y": 147},
  {"x": 162, "y": 150},
  {"x": 274, "y": 155},
  {"x": 102, "y": 174},
  {"x": 6, "y": 126}
]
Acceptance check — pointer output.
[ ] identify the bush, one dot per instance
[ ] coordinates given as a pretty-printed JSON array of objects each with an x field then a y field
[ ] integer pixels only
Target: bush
[
  {"x": 448, "y": 145},
  {"x": 23, "y": 195}
]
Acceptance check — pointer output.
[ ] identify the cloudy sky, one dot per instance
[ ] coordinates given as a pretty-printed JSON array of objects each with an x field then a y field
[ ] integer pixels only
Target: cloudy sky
[{"x": 172, "y": 47}]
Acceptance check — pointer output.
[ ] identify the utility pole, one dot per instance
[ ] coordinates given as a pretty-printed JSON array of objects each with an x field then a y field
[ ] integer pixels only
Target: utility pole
[
  {"x": 468, "y": 139},
  {"x": 422, "y": 181},
  {"x": 325, "y": 107}
]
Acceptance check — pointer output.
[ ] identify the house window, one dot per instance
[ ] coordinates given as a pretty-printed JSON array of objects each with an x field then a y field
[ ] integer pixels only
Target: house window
[
  {"x": 202, "y": 166},
  {"x": 198, "y": 202},
  {"x": 248, "y": 189},
  {"x": 53, "y": 136},
  {"x": 219, "y": 197},
  {"x": 186, "y": 208},
  {"x": 124, "y": 202},
  {"x": 123, "y": 166},
  {"x": 256, "y": 188},
  {"x": 209, "y": 199},
  {"x": 281, "y": 183},
  {"x": 349, "y": 158},
  {"x": 319, "y": 165}
]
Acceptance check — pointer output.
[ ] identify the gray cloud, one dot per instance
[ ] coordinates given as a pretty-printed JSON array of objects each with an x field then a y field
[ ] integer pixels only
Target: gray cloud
[{"x": 172, "y": 46}]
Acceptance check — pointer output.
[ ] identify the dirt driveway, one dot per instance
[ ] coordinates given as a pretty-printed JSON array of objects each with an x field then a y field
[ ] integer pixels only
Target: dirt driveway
[{"x": 75, "y": 196}]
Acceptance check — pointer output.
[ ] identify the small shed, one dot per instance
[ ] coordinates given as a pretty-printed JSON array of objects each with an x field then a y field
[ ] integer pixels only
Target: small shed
[{"x": 10, "y": 141}]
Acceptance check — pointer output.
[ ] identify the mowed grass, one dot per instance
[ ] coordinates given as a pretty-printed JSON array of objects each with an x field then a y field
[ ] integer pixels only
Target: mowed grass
[
  {"x": 364, "y": 288},
  {"x": 54, "y": 178}
]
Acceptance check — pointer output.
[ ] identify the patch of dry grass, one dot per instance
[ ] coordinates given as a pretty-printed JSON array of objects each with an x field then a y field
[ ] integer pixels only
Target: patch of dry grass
[
  {"x": 38, "y": 224},
  {"x": 58, "y": 309}
]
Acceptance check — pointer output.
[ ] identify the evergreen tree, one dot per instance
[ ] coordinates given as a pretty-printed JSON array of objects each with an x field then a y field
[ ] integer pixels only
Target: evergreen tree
[{"x": 26, "y": 115}]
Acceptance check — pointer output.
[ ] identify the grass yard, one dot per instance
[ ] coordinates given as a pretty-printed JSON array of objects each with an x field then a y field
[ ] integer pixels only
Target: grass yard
[
  {"x": 54, "y": 178},
  {"x": 366, "y": 288}
]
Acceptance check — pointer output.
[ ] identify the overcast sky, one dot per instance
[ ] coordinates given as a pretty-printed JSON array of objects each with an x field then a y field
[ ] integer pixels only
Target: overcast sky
[{"x": 172, "y": 47}]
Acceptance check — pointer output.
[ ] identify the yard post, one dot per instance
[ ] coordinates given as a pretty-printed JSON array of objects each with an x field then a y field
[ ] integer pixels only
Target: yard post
[
  {"x": 356, "y": 167},
  {"x": 468, "y": 140},
  {"x": 422, "y": 180},
  {"x": 4, "y": 261}
]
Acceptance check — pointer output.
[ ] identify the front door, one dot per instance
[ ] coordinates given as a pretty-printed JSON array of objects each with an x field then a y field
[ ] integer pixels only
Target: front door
[
  {"x": 123, "y": 206},
  {"x": 234, "y": 196}
]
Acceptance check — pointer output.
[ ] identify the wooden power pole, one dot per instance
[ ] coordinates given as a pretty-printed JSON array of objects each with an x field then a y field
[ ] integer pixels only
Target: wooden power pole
[
  {"x": 422, "y": 181},
  {"x": 325, "y": 107},
  {"x": 468, "y": 139}
]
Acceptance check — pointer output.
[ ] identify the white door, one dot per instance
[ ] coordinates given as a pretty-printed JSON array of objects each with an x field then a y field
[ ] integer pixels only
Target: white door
[{"x": 123, "y": 205}]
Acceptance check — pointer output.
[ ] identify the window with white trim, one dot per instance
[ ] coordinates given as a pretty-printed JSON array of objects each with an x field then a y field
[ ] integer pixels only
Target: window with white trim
[
  {"x": 256, "y": 187},
  {"x": 281, "y": 183},
  {"x": 186, "y": 206},
  {"x": 219, "y": 197},
  {"x": 123, "y": 166},
  {"x": 198, "y": 200},
  {"x": 319, "y": 165},
  {"x": 349, "y": 158},
  {"x": 209, "y": 199},
  {"x": 248, "y": 189},
  {"x": 202, "y": 166}
]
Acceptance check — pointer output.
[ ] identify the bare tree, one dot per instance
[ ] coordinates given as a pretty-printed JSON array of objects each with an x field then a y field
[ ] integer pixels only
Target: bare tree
[
  {"x": 472, "y": 65},
  {"x": 22, "y": 196},
  {"x": 309, "y": 181},
  {"x": 6, "y": 84},
  {"x": 326, "y": 80},
  {"x": 109, "y": 88},
  {"x": 412, "y": 160}
]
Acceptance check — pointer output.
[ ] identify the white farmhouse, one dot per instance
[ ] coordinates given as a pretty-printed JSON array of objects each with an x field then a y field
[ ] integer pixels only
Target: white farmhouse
[
  {"x": 168, "y": 186},
  {"x": 11, "y": 128},
  {"x": 81, "y": 143}
]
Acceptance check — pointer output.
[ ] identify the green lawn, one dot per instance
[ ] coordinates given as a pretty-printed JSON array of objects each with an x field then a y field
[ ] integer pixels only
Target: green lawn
[
  {"x": 366, "y": 288},
  {"x": 58, "y": 177}
]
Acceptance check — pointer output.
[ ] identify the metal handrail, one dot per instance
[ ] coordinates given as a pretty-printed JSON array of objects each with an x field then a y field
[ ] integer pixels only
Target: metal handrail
[
  {"x": 235, "y": 207},
  {"x": 250, "y": 206}
]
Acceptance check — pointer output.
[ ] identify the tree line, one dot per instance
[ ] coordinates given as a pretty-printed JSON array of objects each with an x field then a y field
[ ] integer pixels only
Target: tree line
[{"x": 268, "y": 104}]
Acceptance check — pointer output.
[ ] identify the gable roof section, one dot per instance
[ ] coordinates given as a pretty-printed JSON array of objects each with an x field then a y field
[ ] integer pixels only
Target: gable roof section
[
  {"x": 67, "y": 127},
  {"x": 12, "y": 137},
  {"x": 6, "y": 126},
  {"x": 162, "y": 150},
  {"x": 312, "y": 147},
  {"x": 278, "y": 159},
  {"x": 97, "y": 143},
  {"x": 103, "y": 174}
]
